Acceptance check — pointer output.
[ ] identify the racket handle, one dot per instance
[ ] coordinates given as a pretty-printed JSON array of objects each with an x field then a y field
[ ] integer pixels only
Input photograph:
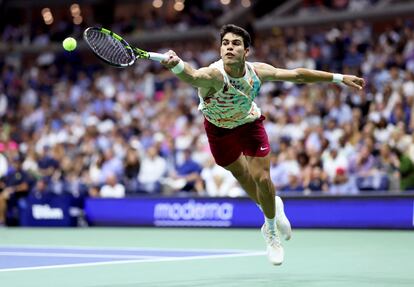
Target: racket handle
[{"x": 157, "y": 56}]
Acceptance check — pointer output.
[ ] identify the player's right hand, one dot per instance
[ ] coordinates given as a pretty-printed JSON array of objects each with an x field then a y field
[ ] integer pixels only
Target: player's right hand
[{"x": 172, "y": 60}]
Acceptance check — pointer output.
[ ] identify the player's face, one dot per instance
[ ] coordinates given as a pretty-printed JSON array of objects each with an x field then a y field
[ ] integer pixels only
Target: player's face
[{"x": 232, "y": 49}]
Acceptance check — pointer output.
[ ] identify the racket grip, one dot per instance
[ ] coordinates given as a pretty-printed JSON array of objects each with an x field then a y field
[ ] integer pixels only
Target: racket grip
[{"x": 157, "y": 56}]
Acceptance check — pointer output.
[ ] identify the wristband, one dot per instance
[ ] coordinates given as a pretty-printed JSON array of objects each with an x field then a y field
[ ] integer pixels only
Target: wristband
[
  {"x": 338, "y": 78},
  {"x": 178, "y": 68}
]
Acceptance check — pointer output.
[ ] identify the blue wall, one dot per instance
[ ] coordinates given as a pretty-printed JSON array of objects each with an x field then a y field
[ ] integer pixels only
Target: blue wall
[{"x": 304, "y": 212}]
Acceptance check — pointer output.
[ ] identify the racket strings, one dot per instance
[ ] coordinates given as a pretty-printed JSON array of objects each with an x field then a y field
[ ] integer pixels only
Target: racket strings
[{"x": 109, "y": 48}]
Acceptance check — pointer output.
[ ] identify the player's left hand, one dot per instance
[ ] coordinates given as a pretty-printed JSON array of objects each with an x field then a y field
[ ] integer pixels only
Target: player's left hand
[{"x": 353, "y": 81}]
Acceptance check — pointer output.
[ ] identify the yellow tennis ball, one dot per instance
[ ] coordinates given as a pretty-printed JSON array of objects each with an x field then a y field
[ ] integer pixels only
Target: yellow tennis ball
[{"x": 69, "y": 44}]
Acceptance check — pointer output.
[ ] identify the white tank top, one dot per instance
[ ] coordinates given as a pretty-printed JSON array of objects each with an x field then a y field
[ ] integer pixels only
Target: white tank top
[{"x": 233, "y": 104}]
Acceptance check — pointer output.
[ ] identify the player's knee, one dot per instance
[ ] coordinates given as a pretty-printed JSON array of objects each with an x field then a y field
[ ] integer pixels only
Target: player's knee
[{"x": 261, "y": 178}]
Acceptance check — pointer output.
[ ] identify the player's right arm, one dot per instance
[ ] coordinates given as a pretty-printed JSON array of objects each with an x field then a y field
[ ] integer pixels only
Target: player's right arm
[{"x": 205, "y": 78}]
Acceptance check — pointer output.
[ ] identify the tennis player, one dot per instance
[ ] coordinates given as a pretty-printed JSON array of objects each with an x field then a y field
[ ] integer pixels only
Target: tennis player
[{"x": 234, "y": 124}]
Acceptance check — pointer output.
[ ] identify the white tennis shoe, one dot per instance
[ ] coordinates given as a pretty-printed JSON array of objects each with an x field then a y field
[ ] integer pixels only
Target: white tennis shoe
[
  {"x": 274, "y": 249},
  {"x": 282, "y": 222}
]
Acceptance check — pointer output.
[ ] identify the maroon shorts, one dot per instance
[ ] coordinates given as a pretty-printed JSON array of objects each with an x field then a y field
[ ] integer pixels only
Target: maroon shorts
[{"x": 227, "y": 145}]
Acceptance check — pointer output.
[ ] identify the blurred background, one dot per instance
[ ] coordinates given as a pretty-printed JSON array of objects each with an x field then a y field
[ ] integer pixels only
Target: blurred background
[{"x": 79, "y": 139}]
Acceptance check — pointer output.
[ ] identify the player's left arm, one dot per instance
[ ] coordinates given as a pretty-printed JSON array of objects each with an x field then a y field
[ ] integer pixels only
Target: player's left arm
[{"x": 267, "y": 72}]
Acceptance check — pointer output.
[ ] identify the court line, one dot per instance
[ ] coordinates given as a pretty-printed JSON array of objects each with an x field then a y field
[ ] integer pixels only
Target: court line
[
  {"x": 74, "y": 255},
  {"x": 166, "y": 259},
  {"x": 77, "y": 247}
]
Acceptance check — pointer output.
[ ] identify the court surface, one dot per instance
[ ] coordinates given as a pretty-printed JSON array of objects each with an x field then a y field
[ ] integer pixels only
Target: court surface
[{"x": 155, "y": 257}]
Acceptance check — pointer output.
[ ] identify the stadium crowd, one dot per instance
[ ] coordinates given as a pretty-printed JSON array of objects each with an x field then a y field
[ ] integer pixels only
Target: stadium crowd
[
  {"x": 68, "y": 127},
  {"x": 139, "y": 17},
  {"x": 127, "y": 19}
]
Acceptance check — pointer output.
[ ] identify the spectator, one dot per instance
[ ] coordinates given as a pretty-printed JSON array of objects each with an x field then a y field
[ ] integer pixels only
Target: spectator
[
  {"x": 132, "y": 165},
  {"x": 30, "y": 163},
  {"x": 41, "y": 190},
  {"x": 112, "y": 165},
  {"x": 406, "y": 168},
  {"x": 186, "y": 176},
  {"x": 333, "y": 161},
  {"x": 153, "y": 169},
  {"x": 294, "y": 184},
  {"x": 286, "y": 170},
  {"x": 332, "y": 132},
  {"x": 15, "y": 186},
  {"x": 362, "y": 166},
  {"x": 75, "y": 186},
  {"x": 46, "y": 162},
  {"x": 338, "y": 110},
  {"x": 220, "y": 182},
  {"x": 95, "y": 170},
  {"x": 341, "y": 184},
  {"x": 112, "y": 188},
  {"x": 3, "y": 165},
  {"x": 190, "y": 171},
  {"x": 388, "y": 164},
  {"x": 316, "y": 180}
]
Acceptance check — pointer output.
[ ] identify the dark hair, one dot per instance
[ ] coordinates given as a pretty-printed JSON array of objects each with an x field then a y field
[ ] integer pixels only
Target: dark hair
[{"x": 230, "y": 28}]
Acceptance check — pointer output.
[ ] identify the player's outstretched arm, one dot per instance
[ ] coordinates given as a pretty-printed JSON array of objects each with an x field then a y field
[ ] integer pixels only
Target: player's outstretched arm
[
  {"x": 267, "y": 72},
  {"x": 201, "y": 78}
]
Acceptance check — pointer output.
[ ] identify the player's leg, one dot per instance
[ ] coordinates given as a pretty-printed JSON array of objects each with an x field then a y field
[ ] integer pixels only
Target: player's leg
[
  {"x": 260, "y": 170},
  {"x": 256, "y": 147},
  {"x": 227, "y": 147},
  {"x": 249, "y": 181},
  {"x": 239, "y": 169}
]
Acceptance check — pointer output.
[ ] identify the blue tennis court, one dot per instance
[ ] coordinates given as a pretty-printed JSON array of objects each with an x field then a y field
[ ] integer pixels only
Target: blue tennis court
[{"x": 32, "y": 257}]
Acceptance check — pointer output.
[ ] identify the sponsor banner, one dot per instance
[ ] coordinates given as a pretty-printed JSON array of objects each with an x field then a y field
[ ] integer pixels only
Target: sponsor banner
[
  {"x": 203, "y": 212},
  {"x": 304, "y": 212},
  {"x": 47, "y": 210}
]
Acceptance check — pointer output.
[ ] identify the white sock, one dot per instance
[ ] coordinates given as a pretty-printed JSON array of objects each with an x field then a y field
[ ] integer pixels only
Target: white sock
[{"x": 270, "y": 222}]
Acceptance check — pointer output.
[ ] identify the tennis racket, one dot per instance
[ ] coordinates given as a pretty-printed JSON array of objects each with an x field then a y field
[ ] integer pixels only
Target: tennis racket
[{"x": 114, "y": 50}]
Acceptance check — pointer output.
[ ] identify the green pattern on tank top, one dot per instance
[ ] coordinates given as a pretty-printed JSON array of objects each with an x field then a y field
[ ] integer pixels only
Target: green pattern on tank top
[{"x": 234, "y": 104}]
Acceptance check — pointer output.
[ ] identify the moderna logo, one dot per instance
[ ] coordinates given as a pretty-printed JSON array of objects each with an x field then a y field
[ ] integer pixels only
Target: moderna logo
[{"x": 192, "y": 213}]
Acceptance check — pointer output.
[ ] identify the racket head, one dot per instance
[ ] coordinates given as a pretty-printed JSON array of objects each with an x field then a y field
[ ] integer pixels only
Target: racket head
[{"x": 112, "y": 48}]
